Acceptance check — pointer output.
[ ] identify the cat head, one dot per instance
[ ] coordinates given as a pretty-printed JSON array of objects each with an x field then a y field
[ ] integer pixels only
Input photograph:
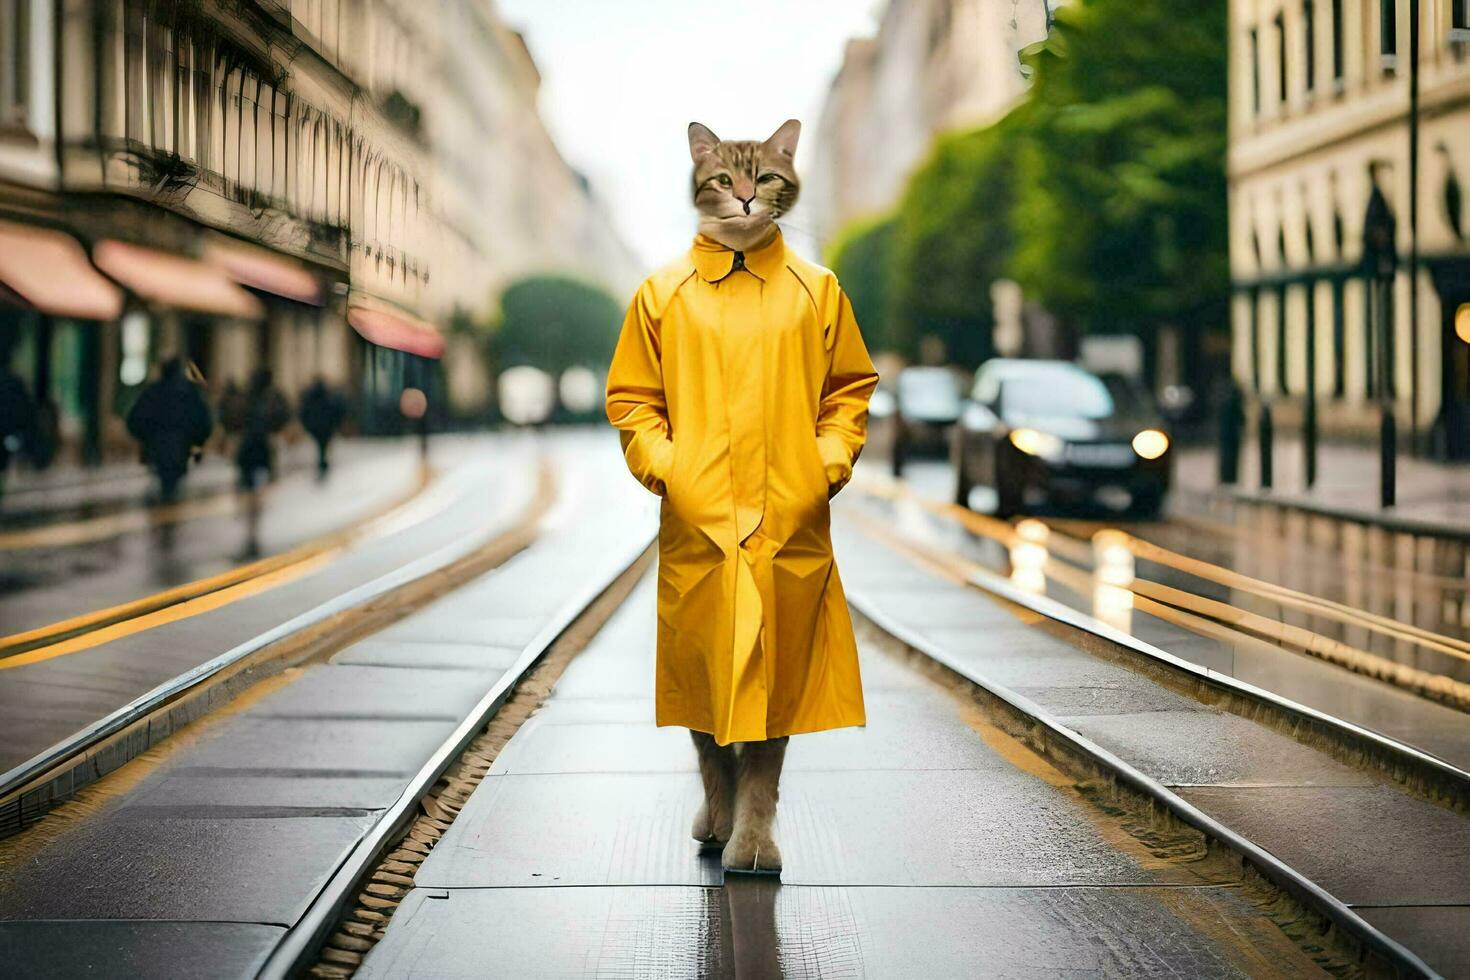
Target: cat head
[{"x": 742, "y": 186}]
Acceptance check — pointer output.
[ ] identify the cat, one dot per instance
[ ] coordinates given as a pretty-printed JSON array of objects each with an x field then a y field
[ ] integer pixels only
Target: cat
[{"x": 742, "y": 186}]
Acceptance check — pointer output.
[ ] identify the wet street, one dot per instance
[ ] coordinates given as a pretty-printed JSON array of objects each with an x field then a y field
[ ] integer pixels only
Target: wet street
[
  {"x": 665, "y": 491},
  {"x": 60, "y": 563},
  {"x": 436, "y": 712},
  {"x": 1346, "y": 618}
]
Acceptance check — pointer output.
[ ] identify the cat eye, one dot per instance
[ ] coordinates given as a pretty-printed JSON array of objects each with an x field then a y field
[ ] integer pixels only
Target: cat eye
[
  {"x": 765, "y": 178},
  {"x": 724, "y": 180}
]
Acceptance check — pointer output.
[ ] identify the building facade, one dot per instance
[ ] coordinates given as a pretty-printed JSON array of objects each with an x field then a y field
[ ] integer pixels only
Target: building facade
[
  {"x": 256, "y": 179},
  {"x": 934, "y": 65},
  {"x": 1324, "y": 325}
]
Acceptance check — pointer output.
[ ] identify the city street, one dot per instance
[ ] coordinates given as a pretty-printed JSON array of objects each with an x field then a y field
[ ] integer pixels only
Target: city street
[
  {"x": 934, "y": 489},
  {"x": 1054, "y": 776}
]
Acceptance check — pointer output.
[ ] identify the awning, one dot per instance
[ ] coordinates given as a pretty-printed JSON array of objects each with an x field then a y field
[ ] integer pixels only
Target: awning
[
  {"x": 396, "y": 330},
  {"x": 262, "y": 269},
  {"x": 175, "y": 281},
  {"x": 49, "y": 270}
]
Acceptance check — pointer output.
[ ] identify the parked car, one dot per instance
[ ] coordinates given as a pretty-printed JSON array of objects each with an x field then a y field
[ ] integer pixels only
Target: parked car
[
  {"x": 928, "y": 404},
  {"x": 1048, "y": 433}
]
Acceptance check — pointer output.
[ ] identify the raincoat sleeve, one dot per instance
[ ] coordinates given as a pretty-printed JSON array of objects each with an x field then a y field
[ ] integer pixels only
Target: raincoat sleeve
[
  {"x": 842, "y": 420},
  {"x": 635, "y": 394}
]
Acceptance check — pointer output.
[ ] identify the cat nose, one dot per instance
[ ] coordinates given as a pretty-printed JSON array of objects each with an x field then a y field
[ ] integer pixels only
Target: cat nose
[{"x": 746, "y": 201}]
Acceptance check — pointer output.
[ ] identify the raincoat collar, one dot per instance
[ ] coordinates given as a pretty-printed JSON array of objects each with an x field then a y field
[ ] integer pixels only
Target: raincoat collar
[{"x": 714, "y": 261}]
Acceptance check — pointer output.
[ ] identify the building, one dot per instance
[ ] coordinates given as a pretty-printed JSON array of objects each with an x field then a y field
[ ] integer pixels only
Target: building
[
  {"x": 254, "y": 180},
  {"x": 934, "y": 65},
  {"x": 1319, "y": 117}
]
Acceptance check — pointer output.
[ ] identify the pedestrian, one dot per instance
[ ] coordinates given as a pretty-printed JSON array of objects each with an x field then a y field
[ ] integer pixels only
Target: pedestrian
[
  {"x": 171, "y": 421},
  {"x": 232, "y": 408},
  {"x": 322, "y": 411},
  {"x": 17, "y": 418},
  {"x": 260, "y": 412},
  {"x": 1230, "y": 428},
  {"x": 740, "y": 387},
  {"x": 255, "y": 415}
]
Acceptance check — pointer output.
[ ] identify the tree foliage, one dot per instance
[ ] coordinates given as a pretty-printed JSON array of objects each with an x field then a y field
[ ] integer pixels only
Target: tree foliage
[
  {"x": 1102, "y": 192},
  {"x": 862, "y": 258},
  {"x": 1121, "y": 203},
  {"x": 554, "y": 323},
  {"x": 954, "y": 238}
]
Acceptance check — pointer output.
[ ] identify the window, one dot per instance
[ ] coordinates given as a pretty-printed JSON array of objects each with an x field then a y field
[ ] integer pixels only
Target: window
[
  {"x": 1337, "y": 41},
  {"x": 1309, "y": 43},
  {"x": 1047, "y": 388},
  {"x": 15, "y": 63},
  {"x": 1280, "y": 23},
  {"x": 1255, "y": 71},
  {"x": 1388, "y": 34}
]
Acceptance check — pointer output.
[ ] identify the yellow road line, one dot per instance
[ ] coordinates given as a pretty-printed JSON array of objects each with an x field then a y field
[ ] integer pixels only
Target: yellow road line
[
  {"x": 1073, "y": 549},
  {"x": 104, "y": 625},
  {"x": 1153, "y": 596},
  {"x": 1210, "y": 618},
  {"x": 170, "y": 614},
  {"x": 111, "y": 525},
  {"x": 1327, "y": 608},
  {"x": 138, "y": 607}
]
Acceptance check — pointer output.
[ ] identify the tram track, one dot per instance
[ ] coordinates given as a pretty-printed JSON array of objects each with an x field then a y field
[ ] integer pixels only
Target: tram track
[
  {"x": 1050, "y": 549},
  {"x": 347, "y": 914},
  {"x": 522, "y": 603},
  {"x": 1144, "y": 821},
  {"x": 202, "y": 595},
  {"x": 347, "y": 917},
  {"x": 33, "y": 788},
  {"x": 1420, "y": 772},
  {"x": 1360, "y": 946},
  {"x": 1110, "y": 773},
  {"x": 351, "y": 916}
]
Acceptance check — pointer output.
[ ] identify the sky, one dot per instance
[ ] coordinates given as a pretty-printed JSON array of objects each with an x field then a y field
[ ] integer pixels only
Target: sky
[{"x": 622, "y": 80}]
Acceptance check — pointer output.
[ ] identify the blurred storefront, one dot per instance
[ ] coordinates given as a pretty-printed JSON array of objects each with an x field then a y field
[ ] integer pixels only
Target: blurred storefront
[
  {"x": 1321, "y": 115},
  {"x": 230, "y": 181}
]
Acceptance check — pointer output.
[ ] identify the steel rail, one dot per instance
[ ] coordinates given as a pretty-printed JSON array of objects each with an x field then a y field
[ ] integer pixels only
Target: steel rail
[
  {"x": 1293, "y": 882},
  {"x": 1430, "y": 768},
  {"x": 298, "y": 947},
  {"x": 19, "y": 646},
  {"x": 38, "y": 772},
  {"x": 1434, "y": 769}
]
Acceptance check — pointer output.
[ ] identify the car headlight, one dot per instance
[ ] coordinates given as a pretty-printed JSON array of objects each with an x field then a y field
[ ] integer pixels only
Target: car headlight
[
  {"x": 1150, "y": 444},
  {"x": 1034, "y": 442}
]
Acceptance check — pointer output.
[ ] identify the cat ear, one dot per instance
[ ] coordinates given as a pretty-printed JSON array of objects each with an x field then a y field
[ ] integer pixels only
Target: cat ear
[
  {"x": 701, "y": 140},
  {"x": 783, "y": 140}
]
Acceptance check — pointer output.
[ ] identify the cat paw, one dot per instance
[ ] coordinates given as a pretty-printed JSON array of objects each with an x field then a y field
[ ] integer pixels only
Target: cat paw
[
  {"x": 752, "y": 854},
  {"x": 710, "y": 830}
]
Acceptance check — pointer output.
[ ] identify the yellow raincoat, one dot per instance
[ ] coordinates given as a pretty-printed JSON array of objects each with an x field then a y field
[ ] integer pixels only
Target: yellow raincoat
[{"x": 740, "y": 385}]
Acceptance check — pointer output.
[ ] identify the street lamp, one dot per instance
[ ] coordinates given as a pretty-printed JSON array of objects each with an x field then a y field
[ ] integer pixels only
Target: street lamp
[
  {"x": 1380, "y": 263},
  {"x": 1388, "y": 53}
]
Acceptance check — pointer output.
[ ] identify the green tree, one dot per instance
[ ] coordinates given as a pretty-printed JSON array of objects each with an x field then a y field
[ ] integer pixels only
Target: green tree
[
  {"x": 953, "y": 238},
  {"x": 556, "y": 322},
  {"x": 862, "y": 257},
  {"x": 1121, "y": 205}
]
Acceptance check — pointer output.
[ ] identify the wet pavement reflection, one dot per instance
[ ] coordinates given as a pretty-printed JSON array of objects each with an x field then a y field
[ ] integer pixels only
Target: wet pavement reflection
[
  {"x": 1282, "y": 599},
  {"x": 750, "y": 903},
  {"x": 70, "y": 566}
]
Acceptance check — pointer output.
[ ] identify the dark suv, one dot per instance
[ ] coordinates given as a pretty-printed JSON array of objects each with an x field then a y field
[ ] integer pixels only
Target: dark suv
[{"x": 1049, "y": 433}]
